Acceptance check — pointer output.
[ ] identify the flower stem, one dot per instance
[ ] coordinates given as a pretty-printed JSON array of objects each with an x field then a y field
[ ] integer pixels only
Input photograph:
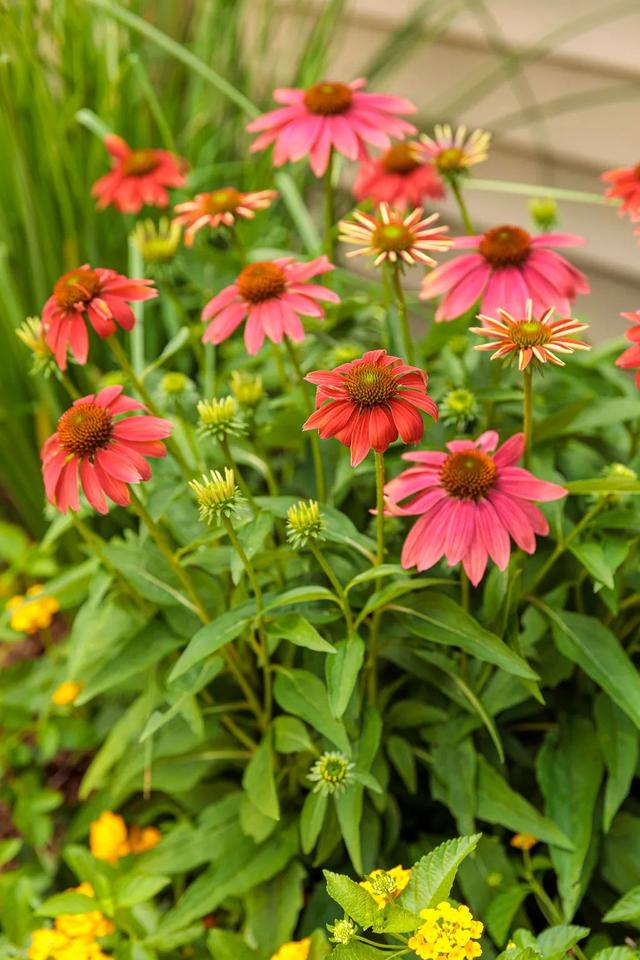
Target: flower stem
[
  {"x": 67, "y": 384},
  {"x": 372, "y": 662},
  {"x": 464, "y": 589},
  {"x": 562, "y": 547},
  {"x": 123, "y": 360},
  {"x": 329, "y": 211},
  {"x": 462, "y": 206},
  {"x": 379, "y": 508},
  {"x": 242, "y": 483},
  {"x": 401, "y": 303},
  {"x": 314, "y": 439},
  {"x": 335, "y": 583},
  {"x": 527, "y": 418}
]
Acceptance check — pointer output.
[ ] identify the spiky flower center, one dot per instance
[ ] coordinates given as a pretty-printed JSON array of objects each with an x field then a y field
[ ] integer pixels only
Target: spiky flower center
[
  {"x": 450, "y": 159},
  {"x": 505, "y": 246},
  {"x": 468, "y": 474},
  {"x": 328, "y": 99},
  {"x": 261, "y": 281},
  {"x": 370, "y": 385},
  {"x": 530, "y": 333},
  {"x": 401, "y": 158},
  {"x": 304, "y": 523},
  {"x": 392, "y": 236},
  {"x": 84, "y": 429},
  {"x": 140, "y": 162},
  {"x": 77, "y": 286},
  {"x": 223, "y": 201}
]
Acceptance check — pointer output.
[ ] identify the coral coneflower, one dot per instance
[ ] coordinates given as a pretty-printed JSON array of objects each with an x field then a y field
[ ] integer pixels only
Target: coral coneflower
[
  {"x": 452, "y": 152},
  {"x": 220, "y": 207},
  {"x": 470, "y": 501},
  {"x": 108, "y": 450},
  {"x": 625, "y": 186},
  {"x": 97, "y": 295},
  {"x": 367, "y": 403},
  {"x": 330, "y": 116},
  {"x": 272, "y": 296},
  {"x": 630, "y": 359},
  {"x": 138, "y": 177},
  {"x": 535, "y": 341},
  {"x": 389, "y": 236},
  {"x": 507, "y": 267},
  {"x": 403, "y": 176}
]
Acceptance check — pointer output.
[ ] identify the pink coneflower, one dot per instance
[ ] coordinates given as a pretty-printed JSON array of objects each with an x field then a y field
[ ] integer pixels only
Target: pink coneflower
[
  {"x": 507, "y": 268},
  {"x": 625, "y": 186},
  {"x": 109, "y": 450},
  {"x": 470, "y": 502},
  {"x": 452, "y": 152},
  {"x": 272, "y": 296},
  {"x": 367, "y": 403},
  {"x": 98, "y": 295},
  {"x": 403, "y": 177},
  {"x": 138, "y": 177},
  {"x": 389, "y": 236},
  {"x": 328, "y": 116},
  {"x": 630, "y": 359},
  {"x": 535, "y": 341},
  {"x": 220, "y": 207}
]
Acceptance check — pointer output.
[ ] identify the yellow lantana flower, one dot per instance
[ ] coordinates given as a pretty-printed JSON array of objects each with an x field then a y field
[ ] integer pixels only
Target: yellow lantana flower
[
  {"x": 295, "y": 950},
  {"x": 143, "y": 838},
  {"x": 108, "y": 838},
  {"x": 84, "y": 926},
  {"x": 523, "y": 841},
  {"x": 32, "y": 612},
  {"x": 66, "y": 693},
  {"x": 386, "y": 885},
  {"x": 46, "y": 943},
  {"x": 448, "y": 933}
]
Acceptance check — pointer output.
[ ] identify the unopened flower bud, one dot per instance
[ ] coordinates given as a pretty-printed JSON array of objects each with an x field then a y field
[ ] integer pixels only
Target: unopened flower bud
[
  {"x": 157, "y": 243},
  {"x": 246, "y": 389},
  {"x": 331, "y": 773},
  {"x": 342, "y": 931},
  {"x": 217, "y": 495},
  {"x": 544, "y": 213},
  {"x": 219, "y": 418},
  {"x": 304, "y": 523}
]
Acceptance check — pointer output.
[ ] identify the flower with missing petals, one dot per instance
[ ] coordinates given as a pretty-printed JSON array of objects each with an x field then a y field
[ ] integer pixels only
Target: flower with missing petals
[
  {"x": 388, "y": 236},
  {"x": 304, "y": 523},
  {"x": 534, "y": 341},
  {"x": 217, "y": 495},
  {"x": 453, "y": 152},
  {"x": 332, "y": 773},
  {"x": 221, "y": 207}
]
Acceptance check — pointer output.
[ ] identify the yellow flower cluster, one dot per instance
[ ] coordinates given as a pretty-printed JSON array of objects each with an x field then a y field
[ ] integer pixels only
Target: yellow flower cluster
[
  {"x": 523, "y": 841},
  {"x": 448, "y": 933},
  {"x": 66, "y": 693},
  {"x": 32, "y": 612},
  {"x": 386, "y": 885},
  {"x": 295, "y": 950},
  {"x": 109, "y": 838},
  {"x": 74, "y": 935}
]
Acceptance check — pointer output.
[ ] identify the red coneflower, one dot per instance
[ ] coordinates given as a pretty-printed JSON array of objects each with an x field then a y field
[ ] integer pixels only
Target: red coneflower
[
  {"x": 367, "y": 403},
  {"x": 330, "y": 116},
  {"x": 625, "y": 186},
  {"x": 99, "y": 295},
  {"x": 272, "y": 295},
  {"x": 138, "y": 177},
  {"x": 109, "y": 450},
  {"x": 403, "y": 177},
  {"x": 630, "y": 358},
  {"x": 223, "y": 206}
]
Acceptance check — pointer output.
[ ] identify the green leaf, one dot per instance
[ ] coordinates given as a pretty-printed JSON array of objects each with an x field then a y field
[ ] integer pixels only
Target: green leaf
[
  {"x": 69, "y": 902},
  {"x": 626, "y": 909},
  {"x": 591, "y": 556},
  {"x": 439, "y": 619},
  {"x": 115, "y": 746},
  {"x": 432, "y": 877},
  {"x": 358, "y": 951},
  {"x": 312, "y": 817},
  {"x": 309, "y": 594},
  {"x": 296, "y": 629},
  {"x": 227, "y": 945},
  {"x": 619, "y": 741},
  {"x": 603, "y": 485},
  {"x": 9, "y": 849},
  {"x": 259, "y": 782},
  {"x": 356, "y": 902},
  {"x": 304, "y": 695},
  {"x": 272, "y": 909},
  {"x": 403, "y": 759},
  {"x": 342, "y": 673},
  {"x": 349, "y": 810},
  {"x": 145, "y": 649},
  {"x": 499, "y": 915},
  {"x": 132, "y": 890},
  {"x": 599, "y": 653},
  {"x": 616, "y": 953},
  {"x": 498, "y": 803},
  {"x": 291, "y": 736},
  {"x": 375, "y": 573},
  {"x": 556, "y": 941},
  {"x": 212, "y": 637},
  {"x": 570, "y": 771}
]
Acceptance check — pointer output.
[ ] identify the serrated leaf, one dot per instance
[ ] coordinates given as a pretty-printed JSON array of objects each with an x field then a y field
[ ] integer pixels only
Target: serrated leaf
[
  {"x": 356, "y": 902},
  {"x": 558, "y": 940},
  {"x": 432, "y": 877}
]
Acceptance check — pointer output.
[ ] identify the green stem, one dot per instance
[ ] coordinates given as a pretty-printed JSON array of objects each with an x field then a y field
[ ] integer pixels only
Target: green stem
[
  {"x": 535, "y": 190},
  {"x": 329, "y": 208},
  {"x": 462, "y": 206},
  {"x": 464, "y": 589},
  {"x": 66, "y": 383},
  {"x": 379, "y": 508},
  {"x": 562, "y": 547},
  {"x": 136, "y": 269},
  {"x": 242, "y": 483},
  {"x": 374, "y": 634},
  {"x": 122, "y": 359},
  {"x": 527, "y": 413},
  {"x": 401, "y": 303},
  {"x": 314, "y": 439},
  {"x": 335, "y": 583}
]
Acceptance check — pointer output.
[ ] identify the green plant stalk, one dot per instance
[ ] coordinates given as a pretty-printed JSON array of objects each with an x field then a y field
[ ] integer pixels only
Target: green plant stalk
[
  {"x": 329, "y": 209},
  {"x": 257, "y": 592},
  {"x": 464, "y": 589},
  {"x": 379, "y": 459},
  {"x": 527, "y": 413},
  {"x": 374, "y": 634},
  {"x": 242, "y": 483},
  {"x": 454, "y": 182},
  {"x": 401, "y": 304},
  {"x": 314, "y": 439},
  {"x": 335, "y": 583},
  {"x": 562, "y": 547},
  {"x": 136, "y": 269},
  {"x": 535, "y": 190}
]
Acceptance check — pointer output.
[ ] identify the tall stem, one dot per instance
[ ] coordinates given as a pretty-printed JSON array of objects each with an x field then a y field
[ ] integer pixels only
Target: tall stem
[
  {"x": 329, "y": 208},
  {"x": 314, "y": 439},
  {"x": 380, "y": 508},
  {"x": 401, "y": 303},
  {"x": 464, "y": 589},
  {"x": 374, "y": 634},
  {"x": 462, "y": 206},
  {"x": 242, "y": 483},
  {"x": 335, "y": 583},
  {"x": 527, "y": 417}
]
